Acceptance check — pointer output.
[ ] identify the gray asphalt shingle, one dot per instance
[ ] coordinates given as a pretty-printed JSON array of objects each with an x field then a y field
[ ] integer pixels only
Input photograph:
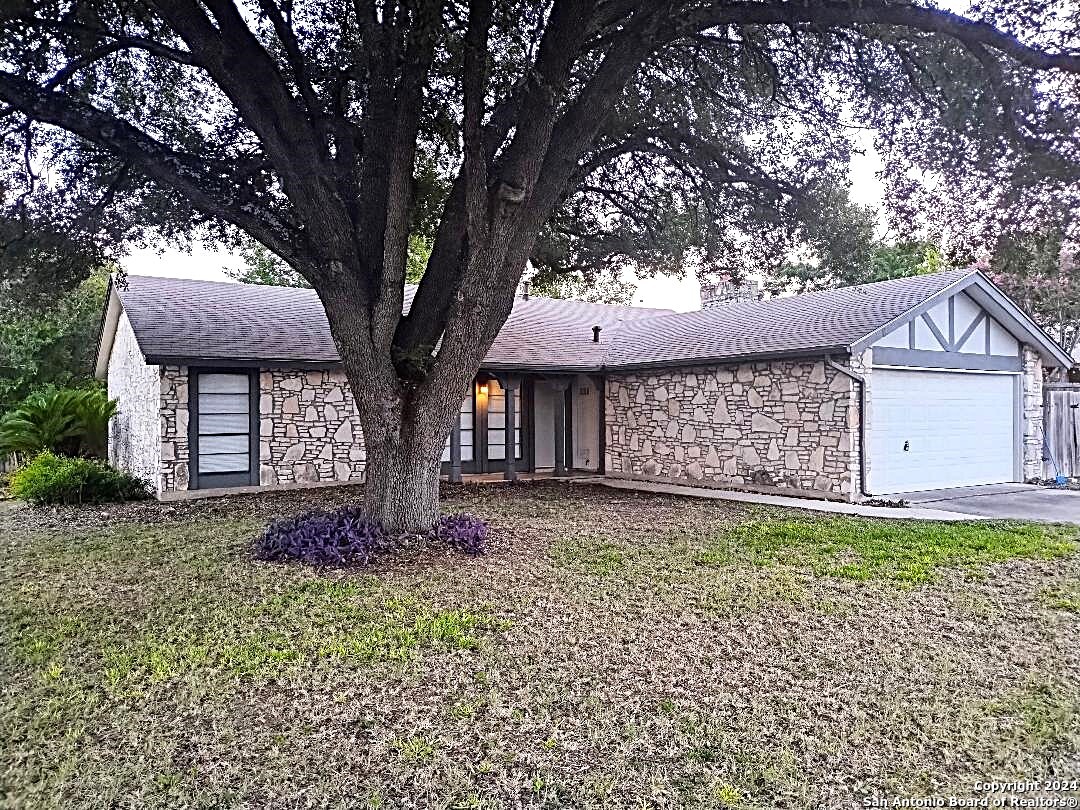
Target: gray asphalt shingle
[
  {"x": 808, "y": 323},
  {"x": 213, "y": 320},
  {"x": 178, "y": 319}
]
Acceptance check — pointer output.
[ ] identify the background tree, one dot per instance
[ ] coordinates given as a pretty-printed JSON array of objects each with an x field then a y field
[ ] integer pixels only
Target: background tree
[
  {"x": 882, "y": 261},
  {"x": 39, "y": 263},
  {"x": 598, "y": 288},
  {"x": 1041, "y": 271},
  {"x": 594, "y": 131},
  {"x": 262, "y": 267},
  {"x": 50, "y": 344}
]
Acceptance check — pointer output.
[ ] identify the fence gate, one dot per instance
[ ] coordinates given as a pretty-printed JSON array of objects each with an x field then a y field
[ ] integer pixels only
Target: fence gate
[{"x": 1061, "y": 413}]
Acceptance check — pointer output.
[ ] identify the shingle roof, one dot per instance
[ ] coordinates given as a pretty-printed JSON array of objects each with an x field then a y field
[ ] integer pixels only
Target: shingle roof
[
  {"x": 551, "y": 333},
  {"x": 178, "y": 320},
  {"x": 799, "y": 324},
  {"x": 207, "y": 320}
]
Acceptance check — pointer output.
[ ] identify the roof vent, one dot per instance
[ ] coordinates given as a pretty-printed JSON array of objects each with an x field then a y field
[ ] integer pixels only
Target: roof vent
[
  {"x": 596, "y": 334},
  {"x": 728, "y": 292}
]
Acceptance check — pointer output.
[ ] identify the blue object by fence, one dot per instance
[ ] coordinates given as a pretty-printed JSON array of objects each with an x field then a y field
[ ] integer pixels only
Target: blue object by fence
[{"x": 1059, "y": 479}]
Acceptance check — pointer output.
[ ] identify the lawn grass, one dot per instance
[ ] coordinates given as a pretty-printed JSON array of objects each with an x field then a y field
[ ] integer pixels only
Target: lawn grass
[
  {"x": 613, "y": 650},
  {"x": 210, "y": 623},
  {"x": 906, "y": 551},
  {"x": 1065, "y": 596}
]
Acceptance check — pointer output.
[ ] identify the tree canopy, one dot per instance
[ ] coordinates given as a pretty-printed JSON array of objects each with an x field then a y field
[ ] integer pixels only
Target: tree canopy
[
  {"x": 260, "y": 266},
  {"x": 580, "y": 135},
  {"x": 850, "y": 252},
  {"x": 40, "y": 261},
  {"x": 50, "y": 344},
  {"x": 1041, "y": 270}
]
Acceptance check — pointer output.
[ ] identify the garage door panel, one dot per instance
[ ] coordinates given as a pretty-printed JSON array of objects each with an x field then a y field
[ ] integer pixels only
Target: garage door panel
[{"x": 937, "y": 429}]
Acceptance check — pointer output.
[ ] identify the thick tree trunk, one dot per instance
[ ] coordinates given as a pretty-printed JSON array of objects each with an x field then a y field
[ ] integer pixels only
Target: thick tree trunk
[
  {"x": 401, "y": 487},
  {"x": 405, "y": 423}
]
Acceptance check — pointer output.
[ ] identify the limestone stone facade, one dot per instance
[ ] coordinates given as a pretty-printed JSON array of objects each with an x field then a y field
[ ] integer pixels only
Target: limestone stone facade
[
  {"x": 134, "y": 441},
  {"x": 1031, "y": 404},
  {"x": 174, "y": 429},
  {"x": 790, "y": 424},
  {"x": 309, "y": 430}
]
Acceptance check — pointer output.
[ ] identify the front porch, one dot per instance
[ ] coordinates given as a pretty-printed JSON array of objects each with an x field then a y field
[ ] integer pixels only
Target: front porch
[
  {"x": 556, "y": 427},
  {"x": 542, "y": 475}
]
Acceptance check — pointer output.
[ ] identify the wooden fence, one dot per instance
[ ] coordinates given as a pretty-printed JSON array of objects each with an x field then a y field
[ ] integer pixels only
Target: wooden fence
[{"x": 1061, "y": 414}]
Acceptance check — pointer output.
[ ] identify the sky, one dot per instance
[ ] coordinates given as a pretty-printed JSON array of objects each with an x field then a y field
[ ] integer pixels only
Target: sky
[{"x": 680, "y": 294}]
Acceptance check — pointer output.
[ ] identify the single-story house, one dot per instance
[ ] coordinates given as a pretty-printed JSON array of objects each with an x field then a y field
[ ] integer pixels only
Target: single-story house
[{"x": 912, "y": 384}]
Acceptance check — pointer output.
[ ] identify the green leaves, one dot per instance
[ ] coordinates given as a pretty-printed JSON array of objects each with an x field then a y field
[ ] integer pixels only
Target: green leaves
[
  {"x": 1038, "y": 269},
  {"x": 70, "y": 421},
  {"x": 52, "y": 479},
  {"x": 261, "y": 266},
  {"x": 49, "y": 344}
]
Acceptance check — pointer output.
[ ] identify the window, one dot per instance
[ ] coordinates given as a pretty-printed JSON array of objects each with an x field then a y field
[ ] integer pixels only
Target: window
[
  {"x": 465, "y": 417},
  {"x": 496, "y": 422},
  {"x": 222, "y": 429}
]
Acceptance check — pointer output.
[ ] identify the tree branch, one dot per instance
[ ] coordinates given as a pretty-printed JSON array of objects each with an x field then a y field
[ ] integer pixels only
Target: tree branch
[
  {"x": 837, "y": 13},
  {"x": 117, "y": 45},
  {"x": 210, "y": 192},
  {"x": 129, "y": 41},
  {"x": 293, "y": 53},
  {"x": 248, "y": 75},
  {"x": 1009, "y": 113},
  {"x": 407, "y": 101}
]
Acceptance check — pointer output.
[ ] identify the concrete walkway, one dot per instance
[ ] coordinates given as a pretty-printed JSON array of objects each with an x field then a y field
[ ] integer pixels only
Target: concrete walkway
[
  {"x": 1013, "y": 501},
  {"x": 813, "y": 504}
]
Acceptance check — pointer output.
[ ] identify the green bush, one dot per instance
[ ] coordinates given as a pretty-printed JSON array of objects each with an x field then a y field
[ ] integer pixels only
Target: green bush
[
  {"x": 65, "y": 421},
  {"x": 58, "y": 479}
]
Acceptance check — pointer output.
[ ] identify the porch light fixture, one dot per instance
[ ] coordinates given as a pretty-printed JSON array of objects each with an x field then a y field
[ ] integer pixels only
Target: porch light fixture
[{"x": 483, "y": 389}]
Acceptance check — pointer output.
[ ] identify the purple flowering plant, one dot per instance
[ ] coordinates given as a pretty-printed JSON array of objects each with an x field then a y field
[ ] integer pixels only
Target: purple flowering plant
[
  {"x": 463, "y": 532},
  {"x": 345, "y": 536}
]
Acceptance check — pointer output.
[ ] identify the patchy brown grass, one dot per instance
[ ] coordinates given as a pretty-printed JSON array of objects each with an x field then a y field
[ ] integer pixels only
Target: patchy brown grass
[{"x": 613, "y": 650}]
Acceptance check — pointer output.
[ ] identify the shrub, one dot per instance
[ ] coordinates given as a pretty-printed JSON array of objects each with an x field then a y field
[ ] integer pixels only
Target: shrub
[
  {"x": 463, "y": 532},
  {"x": 65, "y": 421},
  {"x": 50, "y": 478},
  {"x": 345, "y": 536}
]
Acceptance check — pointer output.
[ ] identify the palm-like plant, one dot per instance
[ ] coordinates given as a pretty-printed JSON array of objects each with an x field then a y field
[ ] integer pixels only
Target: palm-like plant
[
  {"x": 67, "y": 421},
  {"x": 94, "y": 410}
]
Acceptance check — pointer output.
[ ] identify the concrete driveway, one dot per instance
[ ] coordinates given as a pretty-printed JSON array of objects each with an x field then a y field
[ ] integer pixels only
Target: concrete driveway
[{"x": 1018, "y": 501}]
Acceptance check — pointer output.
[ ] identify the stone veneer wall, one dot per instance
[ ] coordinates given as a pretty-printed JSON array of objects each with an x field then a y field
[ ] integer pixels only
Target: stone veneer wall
[
  {"x": 789, "y": 424},
  {"x": 134, "y": 441},
  {"x": 174, "y": 429},
  {"x": 859, "y": 417},
  {"x": 1031, "y": 404},
  {"x": 309, "y": 430}
]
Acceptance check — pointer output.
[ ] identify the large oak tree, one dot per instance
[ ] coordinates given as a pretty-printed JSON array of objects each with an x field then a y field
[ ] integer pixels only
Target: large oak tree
[{"x": 580, "y": 134}]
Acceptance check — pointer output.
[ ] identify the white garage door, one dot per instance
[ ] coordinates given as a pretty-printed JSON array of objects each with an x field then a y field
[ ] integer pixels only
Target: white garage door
[{"x": 932, "y": 429}]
